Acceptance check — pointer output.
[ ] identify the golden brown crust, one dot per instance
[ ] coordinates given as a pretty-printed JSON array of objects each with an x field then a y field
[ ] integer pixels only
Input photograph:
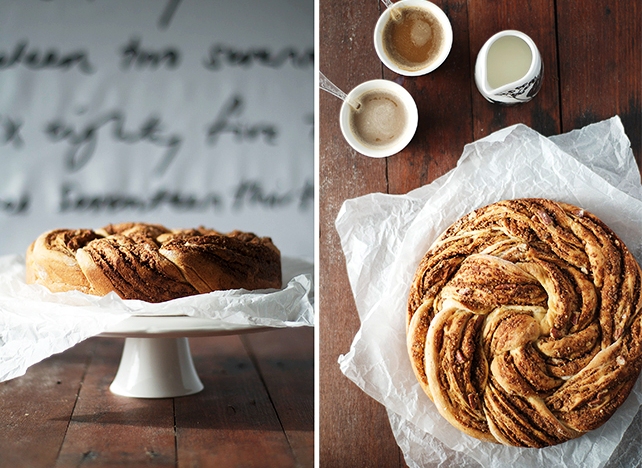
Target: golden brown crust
[
  {"x": 524, "y": 323},
  {"x": 50, "y": 259},
  {"x": 152, "y": 263},
  {"x": 225, "y": 262}
]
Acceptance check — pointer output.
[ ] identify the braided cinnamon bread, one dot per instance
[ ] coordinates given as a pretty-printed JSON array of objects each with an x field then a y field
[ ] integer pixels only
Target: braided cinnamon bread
[
  {"x": 524, "y": 323},
  {"x": 150, "y": 262}
]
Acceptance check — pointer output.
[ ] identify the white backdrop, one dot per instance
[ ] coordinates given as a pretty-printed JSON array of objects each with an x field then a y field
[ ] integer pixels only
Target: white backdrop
[{"x": 181, "y": 112}]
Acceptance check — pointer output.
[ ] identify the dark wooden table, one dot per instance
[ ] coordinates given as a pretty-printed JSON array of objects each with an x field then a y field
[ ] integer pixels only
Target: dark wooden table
[
  {"x": 592, "y": 53},
  {"x": 257, "y": 408}
]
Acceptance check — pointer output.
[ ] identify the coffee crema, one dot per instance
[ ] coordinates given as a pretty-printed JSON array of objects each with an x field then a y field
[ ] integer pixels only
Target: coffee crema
[
  {"x": 412, "y": 38},
  {"x": 380, "y": 118}
]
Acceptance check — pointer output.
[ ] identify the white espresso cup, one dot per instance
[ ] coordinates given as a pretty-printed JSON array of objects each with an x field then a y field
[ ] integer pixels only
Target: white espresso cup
[
  {"x": 509, "y": 68},
  {"x": 413, "y": 37},
  {"x": 378, "y": 118}
]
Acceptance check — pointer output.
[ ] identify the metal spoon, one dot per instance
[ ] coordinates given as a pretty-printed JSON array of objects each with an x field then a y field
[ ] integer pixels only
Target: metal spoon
[
  {"x": 327, "y": 85},
  {"x": 395, "y": 14}
]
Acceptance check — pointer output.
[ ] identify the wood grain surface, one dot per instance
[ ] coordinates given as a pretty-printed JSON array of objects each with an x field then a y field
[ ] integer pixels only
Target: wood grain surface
[
  {"x": 257, "y": 408},
  {"x": 592, "y": 54}
]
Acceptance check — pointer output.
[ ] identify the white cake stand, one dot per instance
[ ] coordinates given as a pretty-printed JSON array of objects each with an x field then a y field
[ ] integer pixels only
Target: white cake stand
[{"x": 156, "y": 360}]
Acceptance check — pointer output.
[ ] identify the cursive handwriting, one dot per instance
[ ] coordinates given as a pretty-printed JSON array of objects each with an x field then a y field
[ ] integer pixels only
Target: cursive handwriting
[
  {"x": 15, "y": 206},
  {"x": 306, "y": 200},
  {"x": 73, "y": 199},
  {"x": 250, "y": 193},
  {"x": 49, "y": 59},
  {"x": 168, "y": 13},
  {"x": 10, "y": 131},
  {"x": 227, "y": 122},
  {"x": 246, "y": 194},
  {"x": 132, "y": 54},
  {"x": 83, "y": 141},
  {"x": 221, "y": 55}
]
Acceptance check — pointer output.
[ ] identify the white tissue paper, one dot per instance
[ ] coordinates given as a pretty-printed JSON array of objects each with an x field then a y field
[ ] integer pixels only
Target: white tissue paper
[
  {"x": 385, "y": 236},
  {"x": 36, "y": 323}
]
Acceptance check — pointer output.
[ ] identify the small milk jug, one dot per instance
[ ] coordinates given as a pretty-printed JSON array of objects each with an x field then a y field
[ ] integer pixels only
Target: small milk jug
[{"x": 509, "y": 68}]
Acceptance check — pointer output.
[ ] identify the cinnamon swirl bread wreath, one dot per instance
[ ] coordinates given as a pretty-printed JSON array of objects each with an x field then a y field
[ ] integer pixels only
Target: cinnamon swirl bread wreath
[
  {"x": 524, "y": 323},
  {"x": 150, "y": 262}
]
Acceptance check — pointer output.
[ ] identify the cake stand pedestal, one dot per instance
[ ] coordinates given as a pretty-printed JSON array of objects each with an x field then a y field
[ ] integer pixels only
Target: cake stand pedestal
[{"x": 156, "y": 360}]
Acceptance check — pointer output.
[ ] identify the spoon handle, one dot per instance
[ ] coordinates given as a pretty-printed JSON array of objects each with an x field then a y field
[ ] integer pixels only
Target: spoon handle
[
  {"x": 330, "y": 87},
  {"x": 395, "y": 14}
]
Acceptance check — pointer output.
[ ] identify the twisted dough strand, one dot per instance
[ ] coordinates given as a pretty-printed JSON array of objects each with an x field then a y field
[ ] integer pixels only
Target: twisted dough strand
[
  {"x": 152, "y": 263},
  {"x": 524, "y": 323}
]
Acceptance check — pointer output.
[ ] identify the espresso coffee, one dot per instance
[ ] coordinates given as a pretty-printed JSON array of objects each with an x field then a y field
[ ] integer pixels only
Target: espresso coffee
[
  {"x": 412, "y": 38},
  {"x": 379, "y": 119}
]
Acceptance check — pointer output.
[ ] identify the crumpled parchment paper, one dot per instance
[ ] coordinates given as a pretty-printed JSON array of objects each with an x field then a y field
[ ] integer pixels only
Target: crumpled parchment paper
[
  {"x": 385, "y": 236},
  {"x": 36, "y": 323}
]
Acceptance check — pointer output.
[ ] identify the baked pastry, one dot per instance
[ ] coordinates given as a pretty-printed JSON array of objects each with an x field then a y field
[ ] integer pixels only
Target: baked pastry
[
  {"x": 524, "y": 323},
  {"x": 150, "y": 262}
]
